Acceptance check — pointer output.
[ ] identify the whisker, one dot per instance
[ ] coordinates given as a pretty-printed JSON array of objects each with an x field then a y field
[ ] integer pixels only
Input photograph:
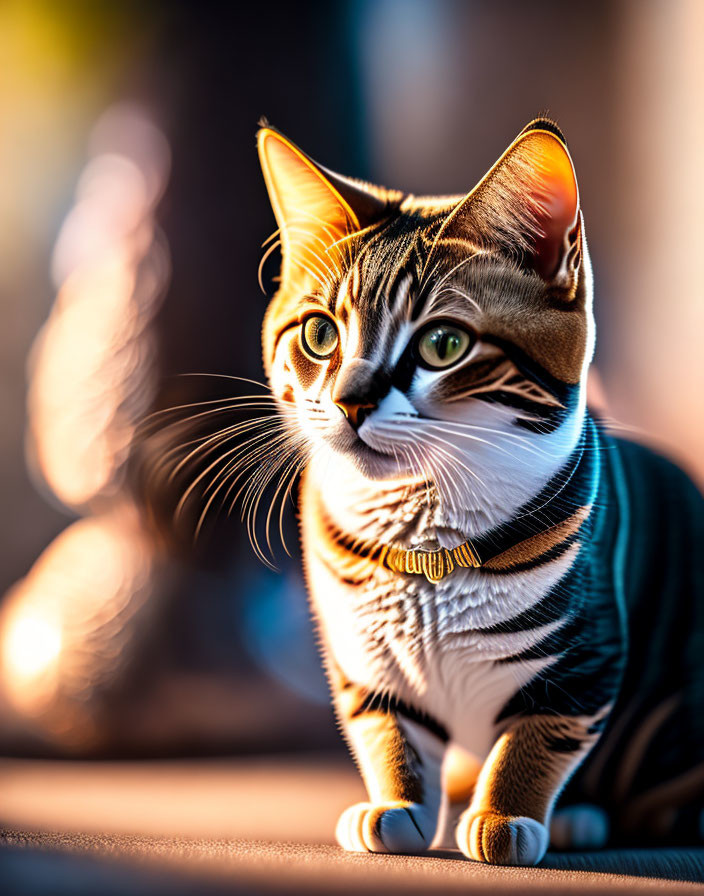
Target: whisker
[
  {"x": 272, "y": 248},
  {"x": 285, "y": 437},
  {"x": 273, "y": 236},
  {"x": 238, "y": 450},
  {"x": 205, "y": 472},
  {"x": 456, "y": 427},
  {"x": 229, "y": 376},
  {"x": 220, "y": 438},
  {"x": 453, "y": 462},
  {"x": 287, "y": 494},
  {"x": 252, "y": 499},
  {"x": 474, "y": 438},
  {"x": 253, "y": 401},
  {"x": 292, "y": 466},
  {"x": 252, "y": 458}
]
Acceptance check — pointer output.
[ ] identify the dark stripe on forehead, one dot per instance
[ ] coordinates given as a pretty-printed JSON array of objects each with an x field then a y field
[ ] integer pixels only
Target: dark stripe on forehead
[
  {"x": 396, "y": 249},
  {"x": 347, "y": 293}
]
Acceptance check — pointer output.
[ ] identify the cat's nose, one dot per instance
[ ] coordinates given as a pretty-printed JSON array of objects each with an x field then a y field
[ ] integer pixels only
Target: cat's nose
[
  {"x": 355, "y": 412},
  {"x": 356, "y": 392}
]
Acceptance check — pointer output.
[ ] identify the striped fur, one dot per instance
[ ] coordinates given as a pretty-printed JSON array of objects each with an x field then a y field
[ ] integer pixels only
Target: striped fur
[{"x": 475, "y": 546}]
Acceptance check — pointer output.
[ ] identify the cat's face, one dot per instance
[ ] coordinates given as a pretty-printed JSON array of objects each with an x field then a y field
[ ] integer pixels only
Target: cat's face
[{"x": 427, "y": 336}]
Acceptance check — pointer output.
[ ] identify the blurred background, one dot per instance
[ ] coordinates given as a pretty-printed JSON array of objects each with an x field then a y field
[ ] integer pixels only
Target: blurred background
[{"x": 133, "y": 217}]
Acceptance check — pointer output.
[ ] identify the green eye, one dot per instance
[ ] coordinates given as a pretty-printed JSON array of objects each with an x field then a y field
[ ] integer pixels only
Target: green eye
[
  {"x": 443, "y": 345},
  {"x": 319, "y": 336}
]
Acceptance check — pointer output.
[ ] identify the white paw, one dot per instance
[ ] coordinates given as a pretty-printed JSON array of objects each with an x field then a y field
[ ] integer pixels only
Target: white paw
[
  {"x": 387, "y": 827},
  {"x": 501, "y": 839},
  {"x": 579, "y": 827}
]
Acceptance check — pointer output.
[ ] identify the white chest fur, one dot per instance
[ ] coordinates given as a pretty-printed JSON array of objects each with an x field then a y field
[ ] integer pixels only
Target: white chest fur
[{"x": 428, "y": 645}]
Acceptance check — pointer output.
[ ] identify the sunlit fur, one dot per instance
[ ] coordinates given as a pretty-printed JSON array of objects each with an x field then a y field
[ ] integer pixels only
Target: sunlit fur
[
  {"x": 476, "y": 432},
  {"x": 514, "y": 662},
  {"x": 475, "y": 695},
  {"x": 442, "y": 455}
]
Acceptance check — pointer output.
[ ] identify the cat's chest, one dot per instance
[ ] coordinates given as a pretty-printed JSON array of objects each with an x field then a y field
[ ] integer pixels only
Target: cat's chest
[{"x": 445, "y": 648}]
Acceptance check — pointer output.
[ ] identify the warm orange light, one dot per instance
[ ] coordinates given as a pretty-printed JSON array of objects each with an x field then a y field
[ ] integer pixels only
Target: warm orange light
[
  {"x": 91, "y": 368},
  {"x": 68, "y": 629},
  {"x": 31, "y": 645}
]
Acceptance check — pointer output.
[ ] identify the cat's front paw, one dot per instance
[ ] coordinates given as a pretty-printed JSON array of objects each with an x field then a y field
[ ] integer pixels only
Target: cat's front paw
[
  {"x": 501, "y": 839},
  {"x": 399, "y": 827}
]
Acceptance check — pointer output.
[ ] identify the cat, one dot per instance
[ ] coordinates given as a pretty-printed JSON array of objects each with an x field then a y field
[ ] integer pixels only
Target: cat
[{"x": 510, "y": 600}]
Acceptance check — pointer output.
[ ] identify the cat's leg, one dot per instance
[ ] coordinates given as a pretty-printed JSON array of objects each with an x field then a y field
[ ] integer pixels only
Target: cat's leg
[
  {"x": 508, "y": 819},
  {"x": 400, "y": 760}
]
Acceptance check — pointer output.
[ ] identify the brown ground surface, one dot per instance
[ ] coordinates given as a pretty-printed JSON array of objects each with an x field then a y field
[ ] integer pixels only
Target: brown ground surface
[{"x": 255, "y": 826}]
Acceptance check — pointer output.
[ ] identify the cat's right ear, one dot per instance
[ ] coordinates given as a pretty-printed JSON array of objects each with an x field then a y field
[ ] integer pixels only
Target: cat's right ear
[
  {"x": 315, "y": 208},
  {"x": 528, "y": 205}
]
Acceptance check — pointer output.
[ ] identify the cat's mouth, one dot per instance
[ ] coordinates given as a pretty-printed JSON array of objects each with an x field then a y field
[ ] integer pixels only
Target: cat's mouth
[
  {"x": 361, "y": 444},
  {"x": 369, "y": 458}
]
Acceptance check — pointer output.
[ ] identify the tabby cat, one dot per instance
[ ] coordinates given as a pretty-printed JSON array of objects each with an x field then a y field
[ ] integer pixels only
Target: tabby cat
[{"x": 510, "y": 600}]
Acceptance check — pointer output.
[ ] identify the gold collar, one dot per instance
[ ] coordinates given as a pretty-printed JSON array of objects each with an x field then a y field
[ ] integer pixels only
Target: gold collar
[{"x": 435, "y": 565}]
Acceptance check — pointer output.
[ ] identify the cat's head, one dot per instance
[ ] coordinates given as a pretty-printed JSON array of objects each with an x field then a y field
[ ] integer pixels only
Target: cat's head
[{"x": 411, "y": 332}]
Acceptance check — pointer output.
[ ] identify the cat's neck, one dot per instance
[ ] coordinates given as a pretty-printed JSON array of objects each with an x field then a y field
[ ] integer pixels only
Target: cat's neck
[{"x": 412, "y": 513}]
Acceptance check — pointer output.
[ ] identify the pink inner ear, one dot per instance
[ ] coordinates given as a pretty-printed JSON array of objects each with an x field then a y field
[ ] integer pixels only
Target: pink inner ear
[{"x": 556, "y": 201}]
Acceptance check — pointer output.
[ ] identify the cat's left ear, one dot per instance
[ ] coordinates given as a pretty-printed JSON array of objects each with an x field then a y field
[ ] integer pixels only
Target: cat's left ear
[
  {"x": 314, "y": 207},
  {"x": 528, "y": 204}
]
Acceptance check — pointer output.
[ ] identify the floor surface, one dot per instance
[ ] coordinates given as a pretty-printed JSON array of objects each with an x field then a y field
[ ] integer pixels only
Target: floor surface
[{"x": 256, "y": 826}]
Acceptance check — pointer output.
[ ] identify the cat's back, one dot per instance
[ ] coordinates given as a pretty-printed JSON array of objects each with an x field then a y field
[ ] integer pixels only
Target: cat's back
[
  {"x": 665, "y": 545},
  {"x": 651, "y": 756},
  {"x": 662, "y": 513}
]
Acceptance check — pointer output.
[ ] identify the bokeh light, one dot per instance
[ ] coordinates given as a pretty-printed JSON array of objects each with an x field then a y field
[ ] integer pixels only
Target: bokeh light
[
  {"x": 69, "y": 629},
  {"x": 92, "y": 365}
]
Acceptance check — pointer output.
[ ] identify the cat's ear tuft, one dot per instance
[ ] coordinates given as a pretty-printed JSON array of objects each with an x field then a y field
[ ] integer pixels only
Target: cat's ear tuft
[
  {"x": 528, "y": 204},
  {"x": 545, "y": 124},
  {"x": 314, "y": 208}
]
